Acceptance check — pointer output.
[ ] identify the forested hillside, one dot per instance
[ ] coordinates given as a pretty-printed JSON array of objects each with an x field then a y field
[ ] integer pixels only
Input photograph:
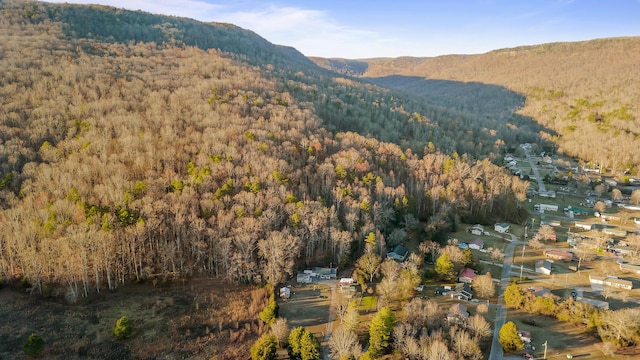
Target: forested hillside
[
  {"x": 128, "y": 156},
  {"x": 585, "y": 93}
]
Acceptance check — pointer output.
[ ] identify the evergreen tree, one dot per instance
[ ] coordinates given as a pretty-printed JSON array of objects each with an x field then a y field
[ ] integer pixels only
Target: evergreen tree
[
  {"x": 265, "y": 348},
  {"x": 295, "y": 337},
  {"x": 34, "y": 346},
  {"x": 309, "y": 347},
  {"x": 380, "y": 332},
  {"x": 123, "y": 328},
  {"x": 509, "y": 338}
]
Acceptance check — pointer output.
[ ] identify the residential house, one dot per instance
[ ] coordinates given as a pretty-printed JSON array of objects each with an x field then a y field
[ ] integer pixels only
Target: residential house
[
  {"x": 346, "y": 282},
  {"x": 544, "y": 267},
  {"x": 611, "y": 281},
  {"x": 501, "y": 228},
  {"x": 304, "y": 278},
  {"x": 599, "y": 304},
  {"x": 623, "y": 250},
  {"x": 462, "y": 291},
  {"x": 475, "y": 243},
  {"x": 457, "y": 313},
  {"x": 476, "y": 229},
  {"x": 467, "y": 276},
  {"x": 325, "y": 273},
  {"x": 539, "y": 291},
  {"x": 559, "y": 255},
  {"x": 399, "y": 253},
  {"x": 630, "y": 268}
]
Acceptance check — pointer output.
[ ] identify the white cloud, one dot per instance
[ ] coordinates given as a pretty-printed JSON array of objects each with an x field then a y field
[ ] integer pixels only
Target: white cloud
[{"x": 312, "y": 32}]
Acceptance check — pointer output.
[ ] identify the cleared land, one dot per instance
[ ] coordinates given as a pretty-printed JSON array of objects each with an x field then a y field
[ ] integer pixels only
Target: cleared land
[{"x": 198, "y": 319}]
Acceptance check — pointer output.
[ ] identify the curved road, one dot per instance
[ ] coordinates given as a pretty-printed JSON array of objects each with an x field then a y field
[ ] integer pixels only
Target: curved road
[{"x": 501, "y": 309}]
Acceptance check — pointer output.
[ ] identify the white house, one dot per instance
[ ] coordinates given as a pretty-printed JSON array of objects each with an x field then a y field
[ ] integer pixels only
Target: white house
[
  {"x": 476, "y": 229},
  {"x": 501, "y": 228},
  {"x": 543, "y": 267},
  {"x": 475, "y": 243},
  {"x": 346, "y": 282}
]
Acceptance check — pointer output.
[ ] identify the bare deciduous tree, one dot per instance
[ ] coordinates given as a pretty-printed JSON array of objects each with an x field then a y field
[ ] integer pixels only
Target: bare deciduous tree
[
  {"x": 484, "y": 286},
  {"x": 344, "y": 343}
]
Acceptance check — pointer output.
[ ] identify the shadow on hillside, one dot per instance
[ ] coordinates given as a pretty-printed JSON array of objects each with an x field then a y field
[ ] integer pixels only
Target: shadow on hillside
[{"x": 493, "y": 104}]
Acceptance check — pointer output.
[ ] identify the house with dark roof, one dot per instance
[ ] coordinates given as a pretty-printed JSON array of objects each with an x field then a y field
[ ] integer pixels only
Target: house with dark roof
[
  {"x": 325, "y": 273},
  {"x": 476, "y": 229},
  {"x": 544, "y": 267},
  {"x": 399, "y": 253},
  {"x": 462, "y": 291},
  {"x": 475, "y": 243},
  {"x": 457, "y": 313}
]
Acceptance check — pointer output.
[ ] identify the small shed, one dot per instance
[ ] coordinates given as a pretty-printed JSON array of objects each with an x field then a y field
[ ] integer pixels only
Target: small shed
[
  {"x": 502, "y": 228},
  {"x": 285, "y": 292}
]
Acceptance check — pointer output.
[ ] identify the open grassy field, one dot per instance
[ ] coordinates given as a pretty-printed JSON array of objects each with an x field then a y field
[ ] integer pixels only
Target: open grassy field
[
  {"x": 562, "y": 338},
  {"x": 197, "y": 319},
  {"x": 308, "y": 306}
]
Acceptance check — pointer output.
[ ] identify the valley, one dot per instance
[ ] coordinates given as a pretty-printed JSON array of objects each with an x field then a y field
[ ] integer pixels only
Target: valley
[{"x": 232, "y": 199}]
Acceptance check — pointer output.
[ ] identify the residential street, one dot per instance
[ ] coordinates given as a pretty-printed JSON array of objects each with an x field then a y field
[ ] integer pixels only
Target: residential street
[{"x": 501, "y": 309}]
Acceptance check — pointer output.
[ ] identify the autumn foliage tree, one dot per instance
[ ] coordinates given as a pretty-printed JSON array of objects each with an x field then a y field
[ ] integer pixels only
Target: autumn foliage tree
[{"x": 509, "y": 338}]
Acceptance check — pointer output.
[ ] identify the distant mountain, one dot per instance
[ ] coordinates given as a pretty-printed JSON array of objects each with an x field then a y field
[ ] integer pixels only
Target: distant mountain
[{"x": 586, "y": 92}]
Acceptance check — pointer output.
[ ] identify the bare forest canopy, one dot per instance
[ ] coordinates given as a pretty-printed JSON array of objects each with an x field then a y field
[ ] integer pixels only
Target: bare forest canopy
[
  {"x": 585, "y": 93},
  {"x": 136, "y": 146}
]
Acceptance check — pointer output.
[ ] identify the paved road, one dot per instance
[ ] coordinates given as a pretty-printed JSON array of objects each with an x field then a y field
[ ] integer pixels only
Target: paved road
[
  {"x": 501, "y": 309},
  {"x": 536, "y": 173}
]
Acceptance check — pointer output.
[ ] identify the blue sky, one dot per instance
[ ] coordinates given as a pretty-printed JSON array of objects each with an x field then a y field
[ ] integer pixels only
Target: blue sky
[{"x": 365, "y": 29}]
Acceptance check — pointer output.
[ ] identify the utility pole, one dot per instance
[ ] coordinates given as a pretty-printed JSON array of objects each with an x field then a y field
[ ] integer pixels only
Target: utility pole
[
  {"x": 521, "y": 267},
  {"x": 545, "y": 350},
  {"x": 524, "y": 246}
]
